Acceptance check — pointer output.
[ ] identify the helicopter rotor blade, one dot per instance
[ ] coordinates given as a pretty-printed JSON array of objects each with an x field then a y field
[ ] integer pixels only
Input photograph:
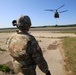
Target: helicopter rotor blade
[
  {"x": 49, "y": 10},
  {"x": 61, "y": 6},
  {"x": 63, "y": 11}
]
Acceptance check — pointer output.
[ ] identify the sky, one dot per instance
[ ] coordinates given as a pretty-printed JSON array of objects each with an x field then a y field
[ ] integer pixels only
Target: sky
[{"x": 35, "y": 9}]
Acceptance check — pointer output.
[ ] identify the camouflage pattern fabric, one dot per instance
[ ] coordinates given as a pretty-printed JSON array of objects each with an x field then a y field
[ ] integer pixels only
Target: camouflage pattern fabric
[
  {"x": 26, "y": 54},
  {"x": 23, "y": 20}
]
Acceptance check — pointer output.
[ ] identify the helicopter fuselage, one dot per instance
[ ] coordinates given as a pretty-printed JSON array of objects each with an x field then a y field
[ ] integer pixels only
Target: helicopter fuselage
[{"x": 56, "y": 15}]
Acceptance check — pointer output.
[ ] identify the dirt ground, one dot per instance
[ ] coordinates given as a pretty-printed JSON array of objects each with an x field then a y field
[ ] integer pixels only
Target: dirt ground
[{"x": 51, "y": 47}]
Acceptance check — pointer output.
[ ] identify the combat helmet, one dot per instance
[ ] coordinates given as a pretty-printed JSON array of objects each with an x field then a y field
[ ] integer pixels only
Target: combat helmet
[{"x": 22, "y": 21}]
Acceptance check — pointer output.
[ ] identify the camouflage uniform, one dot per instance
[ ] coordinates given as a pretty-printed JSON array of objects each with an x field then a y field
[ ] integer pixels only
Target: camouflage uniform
[{"x": 26, "y": 53}]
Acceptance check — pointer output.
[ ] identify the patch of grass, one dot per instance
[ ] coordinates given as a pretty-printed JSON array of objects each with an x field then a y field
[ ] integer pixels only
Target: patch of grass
[
  {"x": 3, "y": 67},
  {"x": 7, "y": 30},
  {"x": 2, "y": 49},
  {"x": 69, "y": 46},
  {"x": 68, "y": 31},
  {"x": 39, "y": 40},
  {"x": 42, "y": 37}
]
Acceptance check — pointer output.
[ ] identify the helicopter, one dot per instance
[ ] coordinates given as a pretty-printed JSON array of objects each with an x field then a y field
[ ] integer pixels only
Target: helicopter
[{"x": 56, "y": 11}]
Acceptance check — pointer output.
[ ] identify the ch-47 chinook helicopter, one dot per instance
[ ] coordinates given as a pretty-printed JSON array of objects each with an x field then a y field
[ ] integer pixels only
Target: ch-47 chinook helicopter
[{"x": 57, "y": 11}]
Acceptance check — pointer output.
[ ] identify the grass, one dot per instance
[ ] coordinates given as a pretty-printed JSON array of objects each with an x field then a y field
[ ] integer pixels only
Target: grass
[
  {"x": 53, "y": 29},
  {"x": 69, "y": 46},
  {"x": 39, "y": 40},
  {"x": 68, "y": 31},
  {"x": 6, "y": 70},
  {"x": 2, "y": 49},
  {"x": 7, "y": 30},
  {"x": 3, "y": 67}
]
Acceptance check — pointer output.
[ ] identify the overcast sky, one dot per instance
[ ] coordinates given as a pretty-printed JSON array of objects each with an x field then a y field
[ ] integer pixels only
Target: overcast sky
[{"x": 11, "y": 9}]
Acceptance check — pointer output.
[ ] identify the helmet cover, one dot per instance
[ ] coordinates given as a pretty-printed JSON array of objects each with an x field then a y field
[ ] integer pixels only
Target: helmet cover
[{"x": 23, "y": 21}]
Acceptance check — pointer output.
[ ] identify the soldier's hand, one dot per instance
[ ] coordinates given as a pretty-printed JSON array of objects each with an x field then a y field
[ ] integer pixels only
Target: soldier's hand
[{"x": 48, "y": 73}]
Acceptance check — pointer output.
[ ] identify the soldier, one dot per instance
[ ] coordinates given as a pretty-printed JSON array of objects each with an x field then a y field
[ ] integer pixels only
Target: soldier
[{"x": 25, "y": 50}]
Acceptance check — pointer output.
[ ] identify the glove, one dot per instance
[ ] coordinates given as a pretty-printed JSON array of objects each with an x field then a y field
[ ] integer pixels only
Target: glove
[{"x": 48, "y": 73}]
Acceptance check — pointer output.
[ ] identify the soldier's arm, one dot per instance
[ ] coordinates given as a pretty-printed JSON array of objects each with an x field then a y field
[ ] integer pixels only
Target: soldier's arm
[{"x": 40, "y": 60}]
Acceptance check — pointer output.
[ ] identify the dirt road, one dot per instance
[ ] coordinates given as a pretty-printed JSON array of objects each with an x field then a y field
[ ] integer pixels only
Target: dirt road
[{"x": 50, "y": 44}]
